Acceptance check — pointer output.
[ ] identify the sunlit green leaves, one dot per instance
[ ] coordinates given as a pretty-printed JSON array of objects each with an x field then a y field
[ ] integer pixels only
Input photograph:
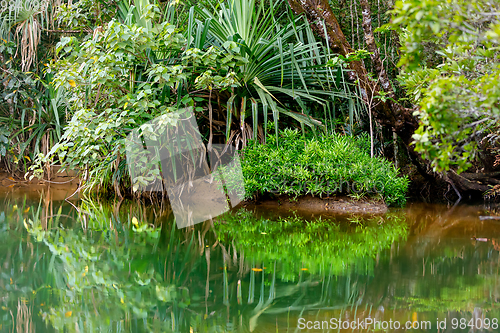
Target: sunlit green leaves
[{"x": 319, "y": 166}]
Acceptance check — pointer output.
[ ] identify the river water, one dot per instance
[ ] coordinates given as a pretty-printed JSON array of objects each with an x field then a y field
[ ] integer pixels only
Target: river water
[{"x": 90, "y": 266}]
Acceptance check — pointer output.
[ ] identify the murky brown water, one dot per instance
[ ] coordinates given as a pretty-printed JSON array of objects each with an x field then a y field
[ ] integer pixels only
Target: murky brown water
[{"x": 86, "y": 266}]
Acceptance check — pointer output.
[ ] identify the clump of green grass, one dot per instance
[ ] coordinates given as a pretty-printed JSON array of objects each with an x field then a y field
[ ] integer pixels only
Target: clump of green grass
[{"x": 321, "y": 166}]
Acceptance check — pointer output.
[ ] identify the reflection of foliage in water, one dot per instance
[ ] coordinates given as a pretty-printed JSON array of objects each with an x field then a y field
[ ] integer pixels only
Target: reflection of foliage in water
[
  {"x": 317, "y": 246},
  {"x": 113, "y": 272},
  {"x": 454, "y": 276},
  {"x": 24, "y": 285},
  {"x": 117, "y": 272},
  {"x": 461, "y": 296},
  {"x": 173, "y": 280}
]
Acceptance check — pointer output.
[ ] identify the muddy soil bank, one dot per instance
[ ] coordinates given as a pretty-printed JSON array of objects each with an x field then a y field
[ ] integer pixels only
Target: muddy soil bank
[
  {"x": 309, "y": 205},
  {"x": 60, "y": 186},
  {"x": 335, "y": 205}
]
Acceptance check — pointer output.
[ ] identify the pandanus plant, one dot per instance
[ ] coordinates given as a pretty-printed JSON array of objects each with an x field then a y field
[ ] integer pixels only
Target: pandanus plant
[{"x": 285, "y": 71}]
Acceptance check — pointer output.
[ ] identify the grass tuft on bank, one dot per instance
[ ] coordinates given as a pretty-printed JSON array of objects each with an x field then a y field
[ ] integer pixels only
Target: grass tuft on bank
[{"x": 323, "y": 166}]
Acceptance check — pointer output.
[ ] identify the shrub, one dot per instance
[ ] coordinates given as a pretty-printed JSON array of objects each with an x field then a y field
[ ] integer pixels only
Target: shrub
[{"x": 326, "y": 165}]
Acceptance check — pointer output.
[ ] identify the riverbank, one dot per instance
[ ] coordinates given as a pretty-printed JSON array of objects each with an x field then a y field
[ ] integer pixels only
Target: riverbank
[
  {"x": 336, "y": 205},
  {"x": 61, "y": 186}
]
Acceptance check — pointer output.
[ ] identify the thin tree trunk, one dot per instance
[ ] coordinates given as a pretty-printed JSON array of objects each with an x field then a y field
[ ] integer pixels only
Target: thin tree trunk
[
  {"x": 352, "y": 22},
  {"x": 342, "y": 10},
  {"x": 391, "y": 113},
  {"x": 395, "y": 144},
  {"x": 356, "y": 16}
]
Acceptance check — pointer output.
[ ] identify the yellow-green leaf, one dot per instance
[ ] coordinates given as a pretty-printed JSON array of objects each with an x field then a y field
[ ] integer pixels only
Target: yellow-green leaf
[{"x": 134, "y": 221}]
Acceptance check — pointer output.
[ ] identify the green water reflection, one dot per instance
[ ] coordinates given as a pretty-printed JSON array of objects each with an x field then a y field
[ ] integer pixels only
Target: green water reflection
[{"x": 124, "y": 267}]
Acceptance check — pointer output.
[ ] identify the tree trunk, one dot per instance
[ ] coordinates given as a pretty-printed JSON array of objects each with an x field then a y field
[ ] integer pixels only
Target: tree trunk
[{"x": 317, "y": 11}]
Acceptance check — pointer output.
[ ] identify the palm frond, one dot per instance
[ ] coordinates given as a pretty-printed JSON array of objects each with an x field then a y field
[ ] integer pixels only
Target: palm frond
[{"x": 24, "y": 21}]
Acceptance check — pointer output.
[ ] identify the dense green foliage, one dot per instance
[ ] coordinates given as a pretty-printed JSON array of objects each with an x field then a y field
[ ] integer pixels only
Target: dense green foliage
[
  {"x": 319, "y": 166},
  {"x": 104, "y": 108},
  {"x": 451, "y": 61},
  {"x": 140, "y": 66}
]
